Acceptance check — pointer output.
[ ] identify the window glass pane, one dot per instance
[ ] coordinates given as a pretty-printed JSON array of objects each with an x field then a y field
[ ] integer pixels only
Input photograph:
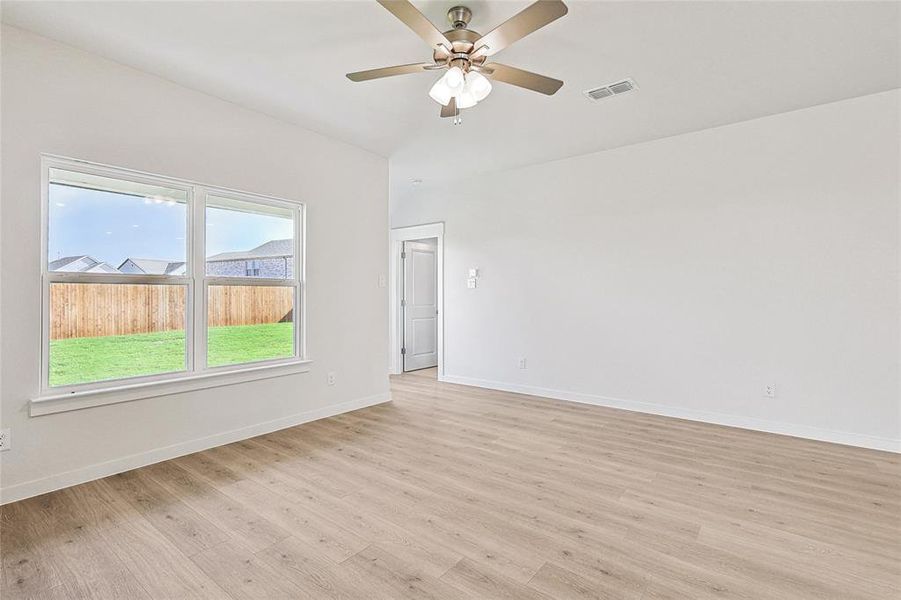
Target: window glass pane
[
  {"x": 101, "y": 331},
  {"x": 100, "y": 225},
  {"x": 248, "y": 323},
  {"x": 247, "y": 239}
]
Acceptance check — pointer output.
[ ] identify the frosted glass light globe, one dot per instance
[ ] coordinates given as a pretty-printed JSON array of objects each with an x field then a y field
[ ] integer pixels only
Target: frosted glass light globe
[
  {"x": 478, "y": 85},
  {"x": 466, "y": 99},
  {"x": 440, "y": 92},
  {"x": 454, "y": 80}
]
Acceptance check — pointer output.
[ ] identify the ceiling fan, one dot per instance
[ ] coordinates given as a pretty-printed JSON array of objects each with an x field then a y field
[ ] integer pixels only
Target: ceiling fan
[{"x": 463, "y": 54}]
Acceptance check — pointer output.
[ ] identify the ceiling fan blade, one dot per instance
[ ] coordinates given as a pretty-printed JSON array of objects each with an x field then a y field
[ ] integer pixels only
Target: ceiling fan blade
[
  {"x": 389, "y": 71},
  {"x": 451, "y": 109},
  {"x": 531, "y": 18},
  {"x": 523, "y": 79},
  {"x": 415, "y": 20}
]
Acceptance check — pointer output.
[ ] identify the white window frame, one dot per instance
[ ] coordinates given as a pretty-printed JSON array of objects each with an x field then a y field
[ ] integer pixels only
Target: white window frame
[{"x": 197, "y": 374}]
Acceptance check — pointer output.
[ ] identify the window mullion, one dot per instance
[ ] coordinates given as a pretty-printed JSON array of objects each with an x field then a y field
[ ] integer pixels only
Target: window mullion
[{"x": 198, "y": 274}]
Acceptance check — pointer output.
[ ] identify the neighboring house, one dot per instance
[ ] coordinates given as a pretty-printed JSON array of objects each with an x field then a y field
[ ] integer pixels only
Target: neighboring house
[
  {"x": 80, "y": 264},
  {"x": 152, "y": 266},
  {"x": 274, "y": 259}
]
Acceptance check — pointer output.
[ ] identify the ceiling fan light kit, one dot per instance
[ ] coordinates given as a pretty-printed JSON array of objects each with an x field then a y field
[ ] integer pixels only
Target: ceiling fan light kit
[
  {"x": 468, "y": 89},
  {"x": 464, "y": 54}
]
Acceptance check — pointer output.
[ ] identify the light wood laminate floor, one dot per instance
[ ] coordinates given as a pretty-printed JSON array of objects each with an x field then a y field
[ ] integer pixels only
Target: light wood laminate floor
[{"x": 456, "y": 492}]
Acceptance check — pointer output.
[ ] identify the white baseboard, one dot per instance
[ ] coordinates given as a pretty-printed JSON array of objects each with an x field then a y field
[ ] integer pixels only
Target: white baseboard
[
  {"x": 43, "y": 485},
  {"x": 755, "y": 424}
]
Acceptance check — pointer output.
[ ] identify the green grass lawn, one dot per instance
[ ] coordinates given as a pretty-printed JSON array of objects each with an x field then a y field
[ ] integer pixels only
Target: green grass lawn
[{"x": 80, "y": 360}]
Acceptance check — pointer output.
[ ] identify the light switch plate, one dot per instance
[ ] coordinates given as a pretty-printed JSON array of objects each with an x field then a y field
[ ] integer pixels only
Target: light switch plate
[
  {"x": 473, "y": 272},
  {"x": 471, "y": 283}
]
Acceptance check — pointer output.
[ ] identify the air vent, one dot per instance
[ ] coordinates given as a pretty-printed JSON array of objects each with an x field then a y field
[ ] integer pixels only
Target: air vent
[
  {"x": 622, "y": 86},
  {"x": 599, "y": 93},
  {"x": 613, "y": 89}
]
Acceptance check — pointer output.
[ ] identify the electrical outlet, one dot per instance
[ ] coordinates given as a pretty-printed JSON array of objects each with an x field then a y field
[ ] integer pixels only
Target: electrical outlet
[
  {"x": 769, "y": 390},
  {"x": 522, "y": 363},
  {"x": 331, "y": 378},
  {"x": 382, "y": 281},
  {"x": 5, "y": 440}
]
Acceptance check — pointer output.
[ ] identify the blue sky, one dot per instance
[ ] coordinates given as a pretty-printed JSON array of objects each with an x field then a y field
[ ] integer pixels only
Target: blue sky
[{"x": 112, "y": 227}]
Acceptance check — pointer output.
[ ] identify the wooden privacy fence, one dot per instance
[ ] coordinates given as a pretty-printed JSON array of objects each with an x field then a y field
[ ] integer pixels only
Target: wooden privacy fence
[
  {"x": 249, "y": 304},
  {"x": 101, "y": 309}
]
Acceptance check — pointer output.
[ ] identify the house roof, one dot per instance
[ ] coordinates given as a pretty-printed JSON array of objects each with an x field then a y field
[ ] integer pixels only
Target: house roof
[
  {"x": 102, "y": 268},
  {"x": 60, "y": 263},
  {"x": 81, "y": 264},
  {"x": 155, "y": 266},
  {"x": 271, "y": 249}
]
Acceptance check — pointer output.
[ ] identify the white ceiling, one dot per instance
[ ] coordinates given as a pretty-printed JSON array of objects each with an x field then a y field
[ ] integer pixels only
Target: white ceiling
[{"x": 698, "y": 65}]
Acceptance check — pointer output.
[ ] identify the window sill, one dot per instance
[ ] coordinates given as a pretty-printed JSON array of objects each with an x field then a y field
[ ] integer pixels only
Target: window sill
[{"x": 56, "y": 403}]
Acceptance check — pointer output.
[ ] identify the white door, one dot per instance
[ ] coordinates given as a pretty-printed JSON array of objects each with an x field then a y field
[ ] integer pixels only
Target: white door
[{"x": 420, "y": 306}]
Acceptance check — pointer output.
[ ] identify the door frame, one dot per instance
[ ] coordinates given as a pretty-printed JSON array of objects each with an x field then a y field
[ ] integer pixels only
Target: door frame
[{"x": 395, "y": 320}]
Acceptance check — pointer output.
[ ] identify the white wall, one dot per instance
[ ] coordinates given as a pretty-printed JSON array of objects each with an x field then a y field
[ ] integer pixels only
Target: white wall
[
  {"x": 60, "y": 100},
  {"x": 682, "y": 275}
]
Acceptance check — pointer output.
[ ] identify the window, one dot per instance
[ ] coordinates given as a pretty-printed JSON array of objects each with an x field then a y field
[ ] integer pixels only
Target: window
[
  {"x": 151, "y": 279},
  {"x": 246, "y": 243}
]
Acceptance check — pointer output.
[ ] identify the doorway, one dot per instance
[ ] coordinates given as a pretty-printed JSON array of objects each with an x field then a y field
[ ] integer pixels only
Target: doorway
[{"x": 417, "y": 319}]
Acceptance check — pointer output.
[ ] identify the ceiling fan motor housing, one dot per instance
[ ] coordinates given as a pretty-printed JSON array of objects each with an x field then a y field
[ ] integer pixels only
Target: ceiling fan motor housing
[{"x": 463, "y": 44}]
